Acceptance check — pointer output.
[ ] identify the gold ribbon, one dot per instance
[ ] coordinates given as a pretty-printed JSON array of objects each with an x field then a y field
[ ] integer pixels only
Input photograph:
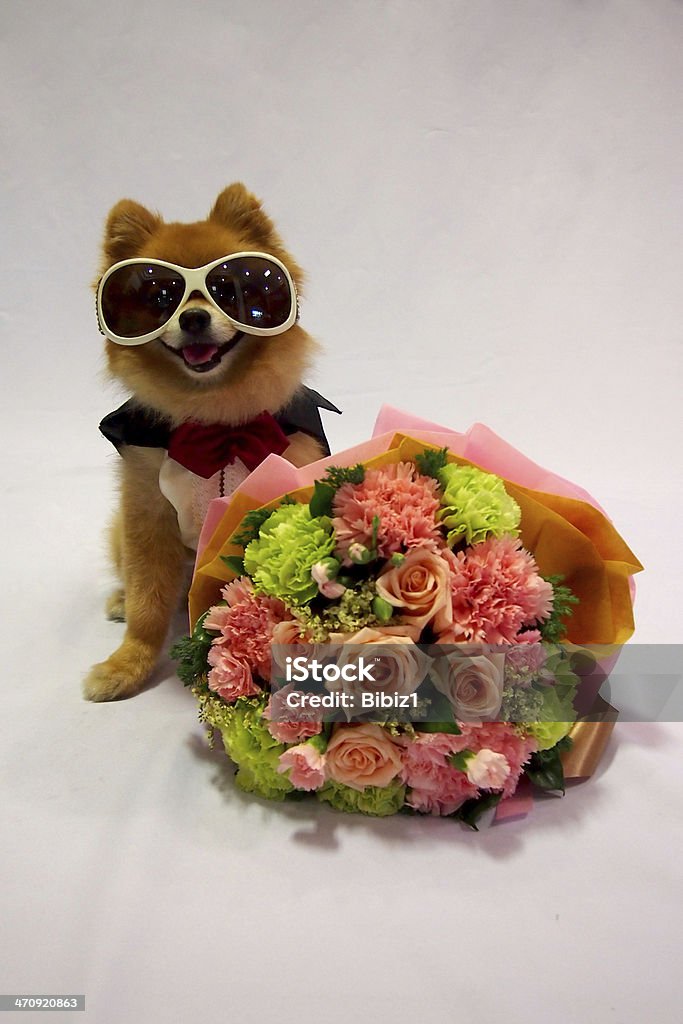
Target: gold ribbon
[{"x": 589, "y": 738}]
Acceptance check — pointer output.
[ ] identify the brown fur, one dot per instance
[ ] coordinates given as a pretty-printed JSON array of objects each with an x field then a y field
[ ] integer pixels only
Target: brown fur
[{"x": 145, "y": 544}]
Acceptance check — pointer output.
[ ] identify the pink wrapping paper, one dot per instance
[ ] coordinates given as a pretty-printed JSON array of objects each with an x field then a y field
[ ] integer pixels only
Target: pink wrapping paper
[{"x": 275, "y": 477}]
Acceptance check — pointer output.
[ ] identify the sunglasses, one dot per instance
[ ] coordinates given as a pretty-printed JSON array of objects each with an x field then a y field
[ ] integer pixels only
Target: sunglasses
[{"x": 137, "y": 299}]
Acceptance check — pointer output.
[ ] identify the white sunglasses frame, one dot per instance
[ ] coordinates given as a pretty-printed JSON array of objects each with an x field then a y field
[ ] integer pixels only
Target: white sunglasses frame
[{"x": 195, "y": 280}]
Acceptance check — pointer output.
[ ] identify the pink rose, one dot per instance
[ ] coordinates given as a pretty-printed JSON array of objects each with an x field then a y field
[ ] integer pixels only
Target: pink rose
[
  {"x": 362, "y": 755},
  {"x": 305, "y": 764},
  {"x": 487, "y": 769},
  {"x": 473, "y": 684},
  {"x": 229, "y": 677},
  {"x": 420, "y": 587}
]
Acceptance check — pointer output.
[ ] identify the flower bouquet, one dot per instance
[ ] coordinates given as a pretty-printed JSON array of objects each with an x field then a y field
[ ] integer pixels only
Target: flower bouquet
[{"x": 407, "y": 626}]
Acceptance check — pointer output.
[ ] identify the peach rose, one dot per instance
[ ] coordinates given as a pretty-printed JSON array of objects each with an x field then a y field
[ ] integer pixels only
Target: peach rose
[
  {"x": 420, "y": 587},
  {"x": 473, "y": 684},
  {"x": 398, "y": 665},
  {"x": 362, "y": 755}
]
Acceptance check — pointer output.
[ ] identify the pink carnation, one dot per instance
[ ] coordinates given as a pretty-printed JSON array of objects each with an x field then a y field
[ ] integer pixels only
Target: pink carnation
[
  {"x": 495, "y": 589},
  {"x": 237, "y": 591},
  {"x": 503, "y": 739},
  {"x": 524, "y": 662},
  {"x": 488, "y": 769},
  {"x": 246, "y": 624},
  {"x": 305, "y": 764},
  {"x": 405, "y": 502},
  {"x": 435, "y": 786},
  {"x": 284, "y": 730},
  {"x": 229, "y": 677}
]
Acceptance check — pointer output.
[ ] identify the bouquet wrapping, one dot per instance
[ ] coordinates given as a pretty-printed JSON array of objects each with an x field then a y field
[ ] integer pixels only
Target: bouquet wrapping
[{"x": 483, "y": 597}]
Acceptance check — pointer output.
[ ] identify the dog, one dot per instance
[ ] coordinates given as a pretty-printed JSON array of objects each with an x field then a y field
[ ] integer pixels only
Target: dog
[{"x": 214, "y": 364}]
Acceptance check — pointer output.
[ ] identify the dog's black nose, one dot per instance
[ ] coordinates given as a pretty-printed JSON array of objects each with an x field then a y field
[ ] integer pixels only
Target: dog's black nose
[{"x": 194, "y": 321}]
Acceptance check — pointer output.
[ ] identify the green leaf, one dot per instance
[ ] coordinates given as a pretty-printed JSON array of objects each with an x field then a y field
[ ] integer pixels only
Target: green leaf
[
  {"x": 199, "y": 633},
  {"x": 460, "y": 759},
  {"x": 429, "y": 462},
  {"x": 451, "y": 728},
  {"x": 545, "y": 769},
  {"x": 472, "y": 810},
  {"x": 234, "y": 563},
  {"x": 321, "y": 501}
]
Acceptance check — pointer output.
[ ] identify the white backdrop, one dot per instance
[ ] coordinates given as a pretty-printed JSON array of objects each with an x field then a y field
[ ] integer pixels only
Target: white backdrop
[{"x": 486, "y": 197}]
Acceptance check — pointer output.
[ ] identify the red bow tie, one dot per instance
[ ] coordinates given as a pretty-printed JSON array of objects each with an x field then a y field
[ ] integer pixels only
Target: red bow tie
[{"x": 205, "y": 449}]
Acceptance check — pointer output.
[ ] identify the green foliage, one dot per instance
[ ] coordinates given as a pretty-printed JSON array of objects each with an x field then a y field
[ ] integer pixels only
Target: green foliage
[
  {"x": 430, "y": 462},
  {"x": 322, "y": 498},
  {"x": 250, "y": 526},
  {"x": 554, "y": 629},
  {"x": 545, "y": 767},
  {"x": 338, "y": 475},
  {"x": 191, "y": 652},
  {"x": 460, "y": 759},
  {"x": 325, "y": 490},
  {"x": 234, "y": 563},
  {"x": 452, "y": 728}
]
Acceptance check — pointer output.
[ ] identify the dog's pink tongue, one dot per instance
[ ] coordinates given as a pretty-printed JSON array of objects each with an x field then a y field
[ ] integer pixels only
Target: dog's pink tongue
[{"x": 199, "y": 353}]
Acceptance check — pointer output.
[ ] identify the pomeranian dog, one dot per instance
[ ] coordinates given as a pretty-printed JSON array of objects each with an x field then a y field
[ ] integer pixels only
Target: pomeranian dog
[{"x": 201, "y": 326}]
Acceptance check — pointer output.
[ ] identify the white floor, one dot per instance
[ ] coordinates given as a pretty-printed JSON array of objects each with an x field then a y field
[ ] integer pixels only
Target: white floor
[{"x": 518, "y": 166}]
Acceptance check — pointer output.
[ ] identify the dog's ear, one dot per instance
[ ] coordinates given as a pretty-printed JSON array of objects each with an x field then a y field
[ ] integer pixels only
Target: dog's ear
[
  {"x": 128, "y": 226},
  {"x": 239, "y": 209}
]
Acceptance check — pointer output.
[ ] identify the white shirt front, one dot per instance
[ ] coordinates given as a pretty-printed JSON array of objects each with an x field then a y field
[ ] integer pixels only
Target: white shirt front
[{"x": 190, "y": 494}]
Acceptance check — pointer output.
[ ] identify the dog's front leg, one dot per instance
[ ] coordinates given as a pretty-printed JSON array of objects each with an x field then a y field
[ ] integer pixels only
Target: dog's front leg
[{"x": 153, "y": 563}]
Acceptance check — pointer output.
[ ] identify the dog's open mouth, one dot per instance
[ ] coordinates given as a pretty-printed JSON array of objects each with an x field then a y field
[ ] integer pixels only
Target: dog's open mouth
[{"x": 202, "y": 356}]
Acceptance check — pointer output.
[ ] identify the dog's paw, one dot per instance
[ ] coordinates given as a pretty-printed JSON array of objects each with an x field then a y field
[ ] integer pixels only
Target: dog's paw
[
  {"x": 122, "y": 675},
  {"x": 115, "y": 605}
]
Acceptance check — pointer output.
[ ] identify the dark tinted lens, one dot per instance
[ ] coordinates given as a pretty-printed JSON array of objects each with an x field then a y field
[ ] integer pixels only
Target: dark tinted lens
[
  {"x": 252, "y": 290},
  {"x": 139, "y": 298}
]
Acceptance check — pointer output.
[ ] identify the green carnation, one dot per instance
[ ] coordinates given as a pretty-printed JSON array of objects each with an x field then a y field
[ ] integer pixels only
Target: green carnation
[
  {"x": 376, "y": 800},
  {"x": 475, "y": 505},
  {"x": 547, "y": 734},
  {"x": 288, "y": 545},
  {"x": 555, "y": 717},
  {"x": 256, "y": 754}
]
